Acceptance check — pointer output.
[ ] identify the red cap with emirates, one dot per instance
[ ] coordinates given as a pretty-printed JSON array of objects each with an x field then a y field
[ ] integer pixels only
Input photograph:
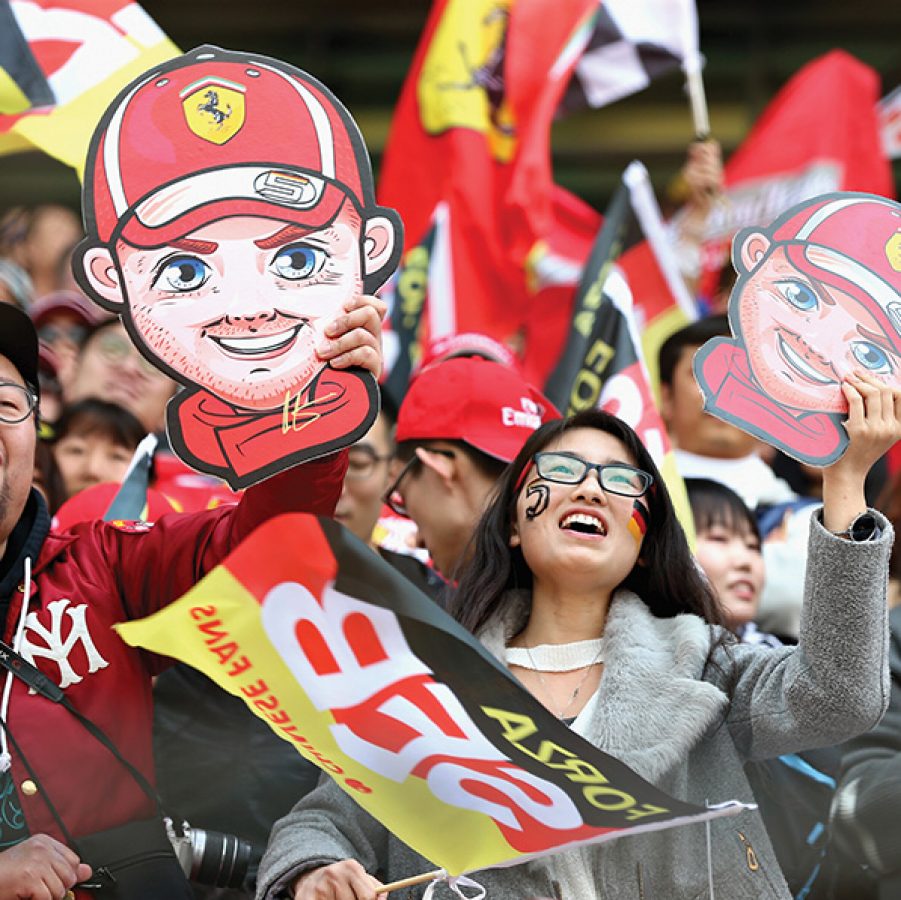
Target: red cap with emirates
[
  {"x": 469, "y": 399},
  {"x": 216, "y": 133}
]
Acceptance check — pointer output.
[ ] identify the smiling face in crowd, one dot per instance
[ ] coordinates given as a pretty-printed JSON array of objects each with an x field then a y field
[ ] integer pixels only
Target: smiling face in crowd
[
  {"x": 583, "y": 533},
  {"x": 17, "y": 447}
]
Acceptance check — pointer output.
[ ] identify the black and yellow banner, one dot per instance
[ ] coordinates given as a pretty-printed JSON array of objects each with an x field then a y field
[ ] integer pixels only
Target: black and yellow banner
[{"x": 408, "y": 713}]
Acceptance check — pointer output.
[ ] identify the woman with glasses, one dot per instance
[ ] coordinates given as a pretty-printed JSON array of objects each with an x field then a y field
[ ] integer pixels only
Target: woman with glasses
[{"x": 582, "y": 583}]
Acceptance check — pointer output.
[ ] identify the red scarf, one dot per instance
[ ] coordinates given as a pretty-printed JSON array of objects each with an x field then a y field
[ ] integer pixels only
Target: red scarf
[
  {"x": 244, "y": 446},
  {"x": 729, "y": 387}
]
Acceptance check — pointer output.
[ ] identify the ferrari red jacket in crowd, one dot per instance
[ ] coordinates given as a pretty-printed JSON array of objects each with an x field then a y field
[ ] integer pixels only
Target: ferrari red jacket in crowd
[{"x": 85, "y": 581}]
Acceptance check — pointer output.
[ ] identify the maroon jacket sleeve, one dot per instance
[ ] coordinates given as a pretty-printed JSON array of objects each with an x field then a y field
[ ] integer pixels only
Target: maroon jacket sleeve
[{"x": 158, "y": 566}]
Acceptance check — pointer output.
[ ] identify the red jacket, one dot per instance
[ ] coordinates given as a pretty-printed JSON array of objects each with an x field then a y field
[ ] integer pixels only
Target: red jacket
[{"x": 83, "y": 582}]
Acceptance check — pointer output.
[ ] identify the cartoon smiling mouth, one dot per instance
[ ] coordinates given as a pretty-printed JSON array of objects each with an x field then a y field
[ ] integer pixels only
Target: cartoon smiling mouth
[
  {"x": 258, "y": 345},
  {"x": 801, "y": 366}
]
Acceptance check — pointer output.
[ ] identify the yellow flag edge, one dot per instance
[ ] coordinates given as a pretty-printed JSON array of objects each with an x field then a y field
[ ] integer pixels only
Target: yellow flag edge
[{"x": 200, "y": 629}]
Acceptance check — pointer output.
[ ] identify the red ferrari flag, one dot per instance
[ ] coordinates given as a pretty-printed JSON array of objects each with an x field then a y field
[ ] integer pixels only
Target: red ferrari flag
[
  {"x": 469, "y": 150},
  {"x": 820, "y": 134}
]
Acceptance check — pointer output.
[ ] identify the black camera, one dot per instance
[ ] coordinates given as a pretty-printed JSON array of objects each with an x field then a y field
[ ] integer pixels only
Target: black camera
[{"x": 210, "y": 857}]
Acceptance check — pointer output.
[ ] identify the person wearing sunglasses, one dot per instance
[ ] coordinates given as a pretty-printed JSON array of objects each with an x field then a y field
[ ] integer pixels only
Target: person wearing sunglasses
[{"x": 582, "y": 583}]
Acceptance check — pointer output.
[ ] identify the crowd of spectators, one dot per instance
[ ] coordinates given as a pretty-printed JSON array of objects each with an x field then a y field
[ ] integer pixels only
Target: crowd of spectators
[{"x": 415, "y": 490}]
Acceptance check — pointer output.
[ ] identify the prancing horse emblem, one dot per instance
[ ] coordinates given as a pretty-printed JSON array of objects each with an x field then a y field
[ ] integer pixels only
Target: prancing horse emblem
[{"x": 212, "y": 107}]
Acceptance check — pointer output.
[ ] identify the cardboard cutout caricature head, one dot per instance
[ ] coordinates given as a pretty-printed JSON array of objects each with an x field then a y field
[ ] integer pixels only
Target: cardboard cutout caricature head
[
  {"x": 818, "y": 296},
  {"x": 230, "y": 213}
]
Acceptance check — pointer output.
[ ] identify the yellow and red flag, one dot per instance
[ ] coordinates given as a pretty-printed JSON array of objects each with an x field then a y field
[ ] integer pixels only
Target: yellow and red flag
[
  {"x": 62, "y": 62},
  {"x": 468, "y": 157},
  {"x": 406, "y": 711}
]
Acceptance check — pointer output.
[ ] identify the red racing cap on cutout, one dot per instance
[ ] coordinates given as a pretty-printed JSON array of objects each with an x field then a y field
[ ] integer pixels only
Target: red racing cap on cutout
[
  {"x": 217, "y": 133},
  {"x": 851, "y": 242}
]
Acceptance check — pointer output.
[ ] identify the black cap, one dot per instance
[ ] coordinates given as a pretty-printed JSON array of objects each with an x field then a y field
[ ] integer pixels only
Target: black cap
[{"x": 19, "y": 342}]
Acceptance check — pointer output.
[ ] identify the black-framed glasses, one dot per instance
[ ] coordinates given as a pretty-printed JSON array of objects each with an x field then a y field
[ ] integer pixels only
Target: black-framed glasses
[
  {"x": 393, "y": 497},
  {"x": 362, "y": 462},
  {"x": 17, "y": 403},
  {"x": 615, "y": 478}
]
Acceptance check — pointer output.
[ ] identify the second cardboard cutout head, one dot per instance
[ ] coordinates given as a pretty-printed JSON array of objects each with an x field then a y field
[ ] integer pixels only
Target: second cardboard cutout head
[
  {"x": 818, "y": 296},
  {"x": 230, "y": 215}
]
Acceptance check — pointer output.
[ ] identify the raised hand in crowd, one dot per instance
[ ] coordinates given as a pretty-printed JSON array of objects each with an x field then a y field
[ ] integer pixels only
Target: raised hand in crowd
[
  {"x": 703, "y": 173},
  {"x": 698, "y": 187},
  {"x": 873, "y": 426}
]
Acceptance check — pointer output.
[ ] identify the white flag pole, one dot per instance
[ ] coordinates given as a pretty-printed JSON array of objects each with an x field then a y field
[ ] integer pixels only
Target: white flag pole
[
  {"x": 694, "y": 83},
  {"x": 651, "y": 221},
  {"x": 692, "y": 65}
]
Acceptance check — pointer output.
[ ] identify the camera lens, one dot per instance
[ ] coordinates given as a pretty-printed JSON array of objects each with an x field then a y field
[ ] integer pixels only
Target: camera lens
[{"x": 220, "y": 860}]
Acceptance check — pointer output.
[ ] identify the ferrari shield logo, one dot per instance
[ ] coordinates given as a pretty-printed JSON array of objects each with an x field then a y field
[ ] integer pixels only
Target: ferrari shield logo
[
  {"x": 214, "y": 109},
  {"x": 893, "y": 251},
  {"x": 461, "y": 84}
]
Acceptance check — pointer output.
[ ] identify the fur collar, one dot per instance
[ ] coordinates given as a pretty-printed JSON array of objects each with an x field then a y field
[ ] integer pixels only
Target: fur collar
[{"x": 653, "y": 707}]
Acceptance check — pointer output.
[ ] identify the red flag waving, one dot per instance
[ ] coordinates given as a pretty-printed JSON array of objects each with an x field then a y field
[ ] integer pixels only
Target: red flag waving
[
  {"x": 821, "y": 133},
  {"x": 469, "y": 147},
  {"x": 556, "y": 273}
]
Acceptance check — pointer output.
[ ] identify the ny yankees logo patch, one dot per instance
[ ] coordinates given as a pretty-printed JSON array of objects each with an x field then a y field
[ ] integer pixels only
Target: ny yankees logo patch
[{"x": 58, "y": 647}]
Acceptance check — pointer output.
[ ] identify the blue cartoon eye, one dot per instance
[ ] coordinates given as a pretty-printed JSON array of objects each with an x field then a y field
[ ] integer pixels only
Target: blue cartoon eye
[
  {"x": 871, "y": 357},
  {"x": 299, "y": 261},
  {"x": 801, "y": 296},
  {"x": 182, "y": 274}
]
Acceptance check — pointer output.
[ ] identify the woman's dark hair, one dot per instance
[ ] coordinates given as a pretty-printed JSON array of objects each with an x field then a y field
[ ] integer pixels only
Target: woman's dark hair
[
  {"x": 47, "y": 478},
  {"x": 97, "y": 417},
  {"x": 666, "y": 576},
  {"x": 713, "y": 504}
]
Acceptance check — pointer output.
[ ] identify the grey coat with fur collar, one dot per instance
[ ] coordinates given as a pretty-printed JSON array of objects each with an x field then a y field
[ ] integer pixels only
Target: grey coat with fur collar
[{"x": 683, "y": 727}]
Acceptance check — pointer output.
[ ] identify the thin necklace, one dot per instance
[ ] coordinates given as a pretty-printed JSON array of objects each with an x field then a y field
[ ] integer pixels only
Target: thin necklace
[{"x": 578, "y": 689}]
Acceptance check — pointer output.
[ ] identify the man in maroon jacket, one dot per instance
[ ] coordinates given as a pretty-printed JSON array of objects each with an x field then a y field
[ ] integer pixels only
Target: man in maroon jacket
[{"x": 60, "y": 595}]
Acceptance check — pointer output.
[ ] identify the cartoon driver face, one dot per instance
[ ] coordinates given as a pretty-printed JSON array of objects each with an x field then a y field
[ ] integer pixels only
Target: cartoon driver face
[
  {"x": 804, "y": 335},
  {"x": 230, "y": 215},
  {"x": 818, "y": 297},
  {"x": 239, "y": 306}
]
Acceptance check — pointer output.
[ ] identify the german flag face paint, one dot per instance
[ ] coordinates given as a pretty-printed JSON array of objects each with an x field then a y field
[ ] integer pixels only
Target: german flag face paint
[{"x": 638, "y": 524}]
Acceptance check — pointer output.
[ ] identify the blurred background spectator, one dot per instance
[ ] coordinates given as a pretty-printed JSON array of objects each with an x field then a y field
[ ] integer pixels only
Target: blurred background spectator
[
  {"x": 110, "y": 368},
  {"x": 38, "y": 239},
  {"x": 93, "y": 442}
]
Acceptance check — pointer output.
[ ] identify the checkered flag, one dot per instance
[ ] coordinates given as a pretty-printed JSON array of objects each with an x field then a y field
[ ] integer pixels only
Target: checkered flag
[{"x": 633, "y": 42}]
